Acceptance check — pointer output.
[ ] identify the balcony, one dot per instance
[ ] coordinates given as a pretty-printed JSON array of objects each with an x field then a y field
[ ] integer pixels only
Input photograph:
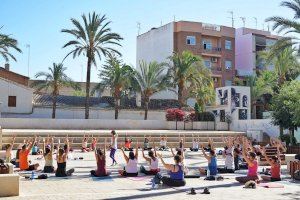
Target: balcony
[{"x": 213, "y": 50}]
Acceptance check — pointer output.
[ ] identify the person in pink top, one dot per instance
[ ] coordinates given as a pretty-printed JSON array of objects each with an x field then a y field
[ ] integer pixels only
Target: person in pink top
[
  {"x": 275, "y": 164},
  {"x": 251, "y": 160},
  {"x": 101, "y": 162}
]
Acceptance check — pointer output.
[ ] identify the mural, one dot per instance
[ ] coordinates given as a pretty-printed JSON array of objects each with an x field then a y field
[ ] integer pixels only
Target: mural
[
  {"x": 243, "y": 114},
  {"x": 223, "y": 96},
  {"x": 235, "y": 100},
  {"x": 245, "y": 101}
]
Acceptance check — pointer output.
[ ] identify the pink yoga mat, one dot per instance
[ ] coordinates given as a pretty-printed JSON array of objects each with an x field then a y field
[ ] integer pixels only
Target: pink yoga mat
[{"x": 271, "y": 185}]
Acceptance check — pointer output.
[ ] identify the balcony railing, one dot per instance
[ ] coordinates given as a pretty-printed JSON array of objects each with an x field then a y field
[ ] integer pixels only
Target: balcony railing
[
  {"x": 215, "y": 68},
  {"x": 214, "y": 50}
]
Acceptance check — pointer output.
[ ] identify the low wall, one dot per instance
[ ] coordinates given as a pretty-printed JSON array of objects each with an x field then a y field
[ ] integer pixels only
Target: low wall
[
  {"x": 94, "y": 124},
  {"x": 256, "y": 124}
]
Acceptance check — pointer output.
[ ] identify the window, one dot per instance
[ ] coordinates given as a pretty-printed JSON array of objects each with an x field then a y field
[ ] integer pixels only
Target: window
[
  {"x": 227, "y": 44},
  {"x": 191, "y": 40},
  {"x": 12, "y": 101},
  {"x": 207, "y": 63},
  {"x": 228, "y": 83},
  {"x": 228, "y": 64},
  {"x": 207, "y": 44}
]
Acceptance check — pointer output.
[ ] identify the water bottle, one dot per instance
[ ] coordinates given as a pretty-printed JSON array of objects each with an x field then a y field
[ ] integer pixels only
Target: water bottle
[
  {"x": 32, "y": 175},
  {"x": 208, "y": 172}
]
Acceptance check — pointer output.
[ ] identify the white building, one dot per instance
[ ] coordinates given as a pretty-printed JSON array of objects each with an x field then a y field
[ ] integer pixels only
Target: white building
[{"x": 15, "y": 98}]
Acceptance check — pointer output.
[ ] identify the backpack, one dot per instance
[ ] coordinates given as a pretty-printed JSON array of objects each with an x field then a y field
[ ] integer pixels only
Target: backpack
[
  {"x": 4, "y": 169},
  {"x": 297, "y": 175}
]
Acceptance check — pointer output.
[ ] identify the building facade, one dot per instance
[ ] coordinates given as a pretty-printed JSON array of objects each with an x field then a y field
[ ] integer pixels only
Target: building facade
[
  {"x": 215, "y": 44},
  {"x": 249, "y": 42}
]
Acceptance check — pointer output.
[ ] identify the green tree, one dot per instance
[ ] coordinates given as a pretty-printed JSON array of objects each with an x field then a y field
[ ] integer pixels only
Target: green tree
[
  {"x": 287, "y": 26},
  {"x": 93, "y": 39},
  {"x": 149, "y": 79},
  {"x": 117, "y": 77},
  {"x": 7, "y": 43},
  {"x": 285, "y": 106},
  {"x": 54, "y": 80},
  {"x": 186, "y": 71}
]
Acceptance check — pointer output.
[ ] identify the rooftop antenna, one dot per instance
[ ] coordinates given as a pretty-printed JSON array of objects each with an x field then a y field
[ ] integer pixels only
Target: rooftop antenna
[
  {"x": 255, "y": 20},
  {"x": 28, "y": 59},
  {"x": 232, "y": 19},
  {"x": 263, "y": 25},
  {"x": 160, "y": 22},
  {"x": 174, "y": 18},
  {"x": 268, "y": 27},
  {"x": 138, "y": 27},
  {"x": 244, "y": 21}
]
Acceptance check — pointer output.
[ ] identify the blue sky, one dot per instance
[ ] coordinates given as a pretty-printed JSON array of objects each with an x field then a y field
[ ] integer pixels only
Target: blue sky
[{"x": 38, "y": 23}]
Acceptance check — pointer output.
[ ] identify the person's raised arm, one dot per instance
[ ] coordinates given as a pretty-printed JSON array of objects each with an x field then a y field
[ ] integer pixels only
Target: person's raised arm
[
  {"x": 278, "y": 154},
  {"x": 245, "y": 146},
  {"x": 137, "y": 150},
  {"x": 52, "y": 145},
  {"x": 44, "y": 145},
  {"x": 104, "y": 151},
  {"x": 32, "y": 143},
  {"x": 263, "y": 152},
  {"x": 147, "y": 159},
  {"x": 211, "y": 143},
  {"x": 204, "y": 153},
  {"x": 167, "y": 166},
  {"x": 12, "y": 143},
  {"x": 125, "y": 156},
  {"x": 173, "y": 154},
  {"x": 68, "y": 147},
  {"x": 154, "y": 149}
]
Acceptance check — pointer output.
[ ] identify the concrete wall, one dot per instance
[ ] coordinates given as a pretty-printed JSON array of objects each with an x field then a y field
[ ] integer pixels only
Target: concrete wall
[
  {"x": 78, "y": 113},
  {"x": 256, "y": 124},
  {"x": 94, "y": 124},
  {"x": 23, "y": 97}
]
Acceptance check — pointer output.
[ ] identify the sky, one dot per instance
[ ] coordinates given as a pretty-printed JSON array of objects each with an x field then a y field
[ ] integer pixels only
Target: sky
[{"x": 39, "y": 23}]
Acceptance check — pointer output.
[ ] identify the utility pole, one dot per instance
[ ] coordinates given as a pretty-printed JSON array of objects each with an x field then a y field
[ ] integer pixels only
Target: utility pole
[
  {"x": 255, "y": 20},
  {"x": 174, "y": 18},
  {"x": 244, "y": 21},
  {"x": 139, "y": 27},
  {"x": 28, "y": 61},
  {"x": 232, "y": 19}
]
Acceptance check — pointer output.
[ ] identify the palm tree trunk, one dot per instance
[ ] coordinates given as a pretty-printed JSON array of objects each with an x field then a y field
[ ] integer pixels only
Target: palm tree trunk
[
  {"x": 87, "y": 90},
  {"x": 117, "y": 103},
  {"x": 180, "y": 93},
  {"x": 253, "y": 107},
  {"x": 54, "y": 100},
  {"x": 146, "y": 108}
]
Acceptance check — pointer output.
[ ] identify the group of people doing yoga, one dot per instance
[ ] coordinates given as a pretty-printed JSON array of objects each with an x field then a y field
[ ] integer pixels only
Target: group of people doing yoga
[{"x": 237, "y": 150}]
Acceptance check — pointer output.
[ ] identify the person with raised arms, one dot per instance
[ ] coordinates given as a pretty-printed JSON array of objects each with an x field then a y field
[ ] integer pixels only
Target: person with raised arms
[
  {"x": 153, "y": 162},
  {"x": 275, "y": 163},
  {"x": 61, "y": 158},
  {"x": 211, "y": 169},
  {"x": 101, "y": 162},
  {"x": 8, "y": 150},
  {"x": 23, "y": 157},
  {"x": 176, "y": 172},
  {"x": 130, "y": 168},
  {"x": 228, "y": 155},
  {"x": 252, "y": 163},
  {"x": 48, "y": 155}
]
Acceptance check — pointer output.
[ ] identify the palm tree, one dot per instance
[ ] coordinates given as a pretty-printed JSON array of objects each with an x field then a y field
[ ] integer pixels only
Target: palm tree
[
  {"x": 116, "y": 76},
  {"x": 150, "y": 79},
  {"x": 286, "y": 25},
  {"x": 284, "y": 61},
  {"x": 54, "y": 80},
  {"x": 6, "y": 43},
  {"x": 93, "y": 38},
  {"x": 184, "y": 70}
]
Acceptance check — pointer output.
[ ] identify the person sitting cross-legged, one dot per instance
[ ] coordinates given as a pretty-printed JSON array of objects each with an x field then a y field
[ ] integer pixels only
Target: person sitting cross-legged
[
  {"x": 275, "y": 163},
  {"x": 130, "y": 168},
  {"x": 23, "y": 157},
  {"x": 101, "y": 162},
  {"x": 211, "y": 169},
  {"x": 61, "y": 158},
  {"x": 153, "y": 162},
  {"x": 176, "y": 172}
]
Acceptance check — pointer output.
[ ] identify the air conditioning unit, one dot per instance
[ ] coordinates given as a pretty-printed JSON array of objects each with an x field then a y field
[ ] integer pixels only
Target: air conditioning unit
[{"x": 214, "y": 59}]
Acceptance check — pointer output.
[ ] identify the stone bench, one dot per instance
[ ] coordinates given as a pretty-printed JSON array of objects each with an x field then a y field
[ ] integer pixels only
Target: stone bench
[{"x": 9, "y": 185}]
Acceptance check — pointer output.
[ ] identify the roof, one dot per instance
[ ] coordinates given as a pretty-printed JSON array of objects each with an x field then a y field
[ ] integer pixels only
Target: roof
[
  {"x": 12, "y": 76},
  {"x": 45, "y": 100}
]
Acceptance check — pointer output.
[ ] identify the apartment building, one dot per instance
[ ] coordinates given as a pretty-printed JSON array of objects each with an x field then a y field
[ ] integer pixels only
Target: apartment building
[
  {"x": 215, "y": 44},
  {"x": 248, "y": 43}
]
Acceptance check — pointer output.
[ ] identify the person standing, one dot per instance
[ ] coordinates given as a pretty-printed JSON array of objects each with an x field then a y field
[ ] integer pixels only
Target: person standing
[{"x": 113, "y": 147}]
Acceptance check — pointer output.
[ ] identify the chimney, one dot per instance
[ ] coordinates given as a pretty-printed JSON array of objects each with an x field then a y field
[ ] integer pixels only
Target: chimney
[{"x": 6, "y": 66}]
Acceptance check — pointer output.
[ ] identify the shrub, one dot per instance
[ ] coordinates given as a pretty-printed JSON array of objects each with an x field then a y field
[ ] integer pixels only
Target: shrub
[
  {"x": 174, "y": 114},
  {"x": 287, "y": 139}
]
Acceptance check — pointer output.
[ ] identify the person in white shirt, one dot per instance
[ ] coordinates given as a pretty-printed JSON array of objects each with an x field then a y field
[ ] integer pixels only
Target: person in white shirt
[
  {"x": 113, "y": 147},
  {"x": 228, "y": 155},
  {"x": 153, "y": 162},
  {"x": 130, "y": 168},
  {"x": 163, "y": 143},
  {"x": 195, "y": 146}
]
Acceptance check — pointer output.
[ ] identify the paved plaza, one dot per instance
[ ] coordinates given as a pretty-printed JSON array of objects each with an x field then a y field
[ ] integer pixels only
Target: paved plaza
[{"x": 82, "y": 186}]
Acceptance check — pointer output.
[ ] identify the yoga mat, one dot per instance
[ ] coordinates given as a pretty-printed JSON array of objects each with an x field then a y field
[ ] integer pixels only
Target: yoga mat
[
  {"x": 271, "y": 185},
  {"x": 139, "y": 178},
  {"x": 103, "y": 179}
]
